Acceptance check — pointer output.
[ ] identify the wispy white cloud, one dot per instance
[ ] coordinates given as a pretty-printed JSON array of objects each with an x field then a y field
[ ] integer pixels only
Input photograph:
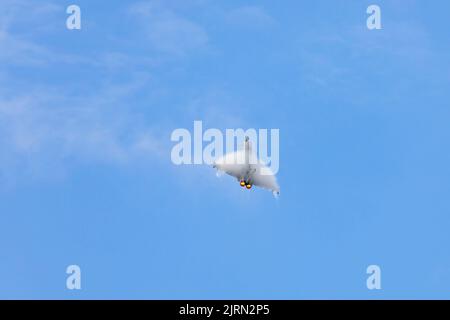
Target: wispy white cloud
[
  {"x": 19, "y": 21},
  {"x": 45, "y": 126},
  {"x": 167, "y": 30},
  {"x": 404, "y": 44}
]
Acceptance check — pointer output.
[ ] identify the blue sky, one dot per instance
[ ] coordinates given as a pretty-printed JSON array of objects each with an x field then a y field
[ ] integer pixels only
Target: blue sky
[{"x": 85, "y": 170}]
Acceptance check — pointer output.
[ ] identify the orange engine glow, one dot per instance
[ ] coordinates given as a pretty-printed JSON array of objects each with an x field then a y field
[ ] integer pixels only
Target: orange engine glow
[
  {"x": 249, "y": 186},
  {"x": 242, "y": 183}
]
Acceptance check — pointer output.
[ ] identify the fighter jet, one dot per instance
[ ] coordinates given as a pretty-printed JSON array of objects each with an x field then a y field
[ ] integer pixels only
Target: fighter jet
[{"x": 248, "y": 169}]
